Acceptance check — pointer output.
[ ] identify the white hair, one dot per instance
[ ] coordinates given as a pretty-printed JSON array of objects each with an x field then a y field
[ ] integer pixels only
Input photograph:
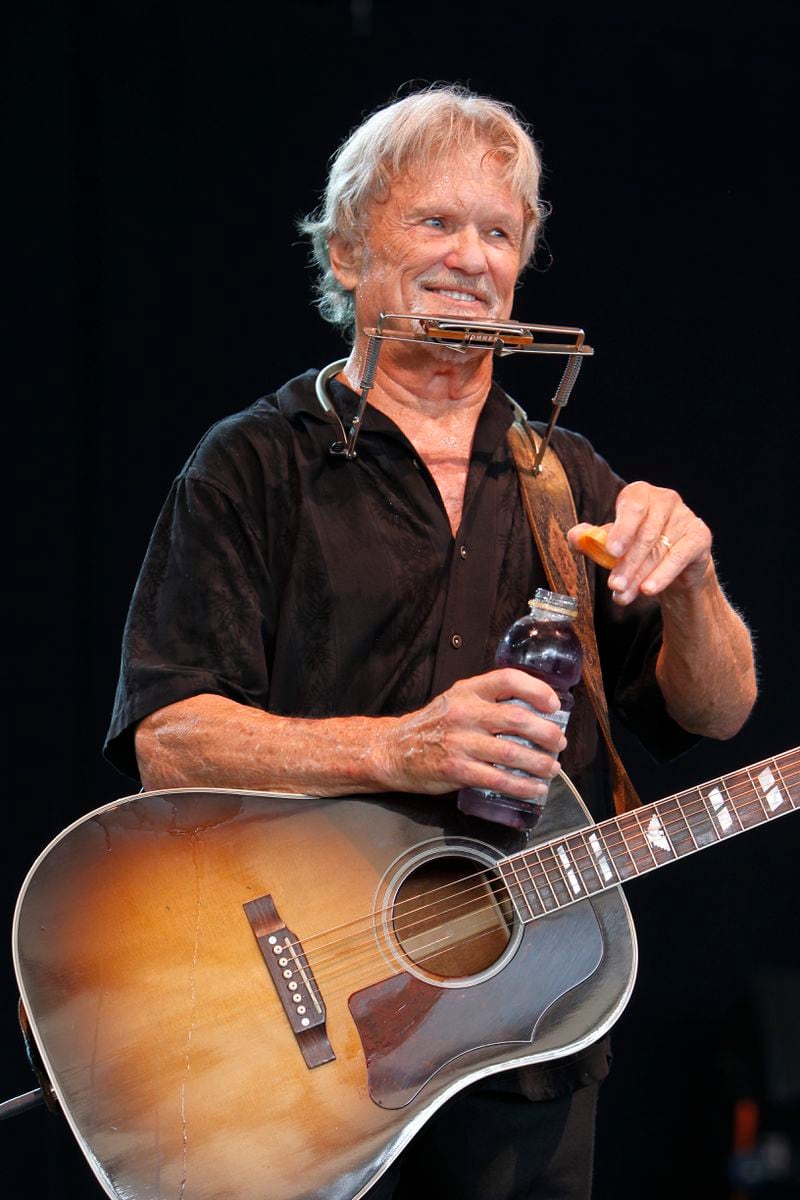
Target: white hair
[{"x": 419, "y": 129}]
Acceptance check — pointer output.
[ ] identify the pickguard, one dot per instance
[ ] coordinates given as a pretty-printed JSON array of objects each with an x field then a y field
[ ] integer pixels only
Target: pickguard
[{"x": 411, "y": 1031}]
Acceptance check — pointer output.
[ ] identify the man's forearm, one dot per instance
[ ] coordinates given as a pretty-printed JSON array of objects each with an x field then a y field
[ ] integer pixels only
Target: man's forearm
[
  {"x": 210, "y": 741},
  {"x": 706, "y": 668}
]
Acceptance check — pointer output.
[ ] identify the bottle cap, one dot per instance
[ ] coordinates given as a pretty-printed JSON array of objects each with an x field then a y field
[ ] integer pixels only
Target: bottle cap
[{"x": 566, "y": 606}]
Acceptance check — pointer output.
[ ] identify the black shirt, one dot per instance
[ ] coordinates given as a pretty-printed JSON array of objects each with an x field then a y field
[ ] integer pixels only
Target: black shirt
[
  {"x": 294, "y": 581},
  {"x": 287, "y": 579}
]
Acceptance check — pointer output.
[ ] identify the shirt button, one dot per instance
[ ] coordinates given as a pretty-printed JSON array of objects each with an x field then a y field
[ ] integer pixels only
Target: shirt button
[
  {"x": 462, "y": 550},
  {"x": 456, "y": 641}
]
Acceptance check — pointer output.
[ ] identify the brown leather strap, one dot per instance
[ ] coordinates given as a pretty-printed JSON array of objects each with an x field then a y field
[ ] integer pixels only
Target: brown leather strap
[{"x": 550, "y": 507}]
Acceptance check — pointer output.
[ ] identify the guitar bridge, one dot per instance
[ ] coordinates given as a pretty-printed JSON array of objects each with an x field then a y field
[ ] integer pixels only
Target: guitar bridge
[{"x": 293, "y": 979}]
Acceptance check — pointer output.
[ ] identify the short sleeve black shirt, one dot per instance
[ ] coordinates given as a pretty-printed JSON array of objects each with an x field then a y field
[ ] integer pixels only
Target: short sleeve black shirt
[{"x": 288, "y": 579}]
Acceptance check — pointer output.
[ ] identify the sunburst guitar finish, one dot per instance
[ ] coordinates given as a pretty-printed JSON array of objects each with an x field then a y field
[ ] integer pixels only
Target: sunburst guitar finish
[{"x": 245, "y": 996}]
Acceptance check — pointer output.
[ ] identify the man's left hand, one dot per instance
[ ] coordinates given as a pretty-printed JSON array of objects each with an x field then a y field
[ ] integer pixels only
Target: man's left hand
[{"x": 658, "y": 542}]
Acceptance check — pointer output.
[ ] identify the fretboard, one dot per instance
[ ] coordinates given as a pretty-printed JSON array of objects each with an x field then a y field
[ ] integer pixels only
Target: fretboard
[{"x": 569, "y": 868}]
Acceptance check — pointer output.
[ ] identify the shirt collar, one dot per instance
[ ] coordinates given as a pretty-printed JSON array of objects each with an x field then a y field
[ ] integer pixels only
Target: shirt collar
[{"x": 298, "y": 399}]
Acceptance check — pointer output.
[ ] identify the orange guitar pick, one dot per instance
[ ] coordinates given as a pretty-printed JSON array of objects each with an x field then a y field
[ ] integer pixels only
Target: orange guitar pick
[{"x": 592, "y": 543}]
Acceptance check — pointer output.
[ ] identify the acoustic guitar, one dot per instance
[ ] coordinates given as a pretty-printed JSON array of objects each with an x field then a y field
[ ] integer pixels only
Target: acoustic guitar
[{"x": 249, "y": 996}]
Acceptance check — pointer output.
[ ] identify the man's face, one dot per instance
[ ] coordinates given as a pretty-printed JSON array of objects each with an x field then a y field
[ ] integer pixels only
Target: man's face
[{"x": 447, "y": 243}]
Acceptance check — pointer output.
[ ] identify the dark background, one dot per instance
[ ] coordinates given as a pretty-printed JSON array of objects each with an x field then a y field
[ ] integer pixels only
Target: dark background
[{"x": 158, "y": 156}]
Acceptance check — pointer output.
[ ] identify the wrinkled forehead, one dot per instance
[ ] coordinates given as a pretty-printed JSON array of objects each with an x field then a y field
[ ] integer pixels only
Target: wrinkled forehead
[{"x": 449, "y": 174}]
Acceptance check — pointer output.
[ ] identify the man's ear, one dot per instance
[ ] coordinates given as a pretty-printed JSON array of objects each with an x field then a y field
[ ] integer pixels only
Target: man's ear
[{"x": 345, "y": 261}]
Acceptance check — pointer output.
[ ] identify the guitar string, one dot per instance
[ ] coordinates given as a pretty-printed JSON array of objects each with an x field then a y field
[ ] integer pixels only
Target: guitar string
[
  {"x": 420, "y": 956},
  {"x": 634, "y": 839},
  {"x": 543, "y": 864},
  {"x": 559, "y": 890},
  {"x": 333, "y": 978},
  {"x": 366, "y": 952},
  {"x": 373, "y": 965},
  {"x": 472, "y": 911},
  {"x": 681, "y": 818}
]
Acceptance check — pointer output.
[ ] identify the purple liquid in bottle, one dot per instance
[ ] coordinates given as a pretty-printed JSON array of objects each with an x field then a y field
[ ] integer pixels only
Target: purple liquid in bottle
[{"x": 543, "y": 643}]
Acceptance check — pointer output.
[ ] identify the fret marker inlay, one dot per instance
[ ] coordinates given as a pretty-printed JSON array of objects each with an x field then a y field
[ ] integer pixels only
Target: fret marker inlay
[
  {"x": 574, "y": 867},
  {"x": 770, "y": 789},
  {"x": 656, "y": 836},
  {"x": 720, "y": 808},
  {"x": 597, "y": 850},
  {"x": 574, "y": 883}
]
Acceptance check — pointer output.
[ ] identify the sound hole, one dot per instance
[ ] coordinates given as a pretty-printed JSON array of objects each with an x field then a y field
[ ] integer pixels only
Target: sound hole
[{"x": 453, "y": 917}]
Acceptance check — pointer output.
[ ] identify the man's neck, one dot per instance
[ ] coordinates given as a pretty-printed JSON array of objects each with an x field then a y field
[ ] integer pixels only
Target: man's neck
[
  {"x": 427, "y": 389},
  {"x": 435, "y": 397}
]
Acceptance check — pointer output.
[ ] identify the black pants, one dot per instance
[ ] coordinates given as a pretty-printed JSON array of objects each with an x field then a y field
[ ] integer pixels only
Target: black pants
[{"x": 493, "y": 1145}]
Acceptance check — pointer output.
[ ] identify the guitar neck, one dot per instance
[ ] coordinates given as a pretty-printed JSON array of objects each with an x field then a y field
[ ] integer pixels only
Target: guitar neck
[{"x": 591, "y": 860}]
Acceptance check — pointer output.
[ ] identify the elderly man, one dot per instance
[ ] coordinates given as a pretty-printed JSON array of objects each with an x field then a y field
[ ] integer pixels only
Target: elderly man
[{"x": 308, "y": 623}]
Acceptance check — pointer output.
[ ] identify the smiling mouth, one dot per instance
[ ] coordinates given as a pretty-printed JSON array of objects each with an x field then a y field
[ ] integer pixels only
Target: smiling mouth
[{"x": 452, "y": 294}]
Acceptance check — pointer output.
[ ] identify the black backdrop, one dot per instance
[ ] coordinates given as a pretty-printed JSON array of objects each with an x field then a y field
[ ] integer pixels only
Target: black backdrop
[{"x": 158, "y": 156}]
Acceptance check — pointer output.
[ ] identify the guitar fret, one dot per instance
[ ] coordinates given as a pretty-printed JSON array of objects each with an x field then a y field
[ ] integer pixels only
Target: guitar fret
[
  {"x": 787, "y": 791},
  {"x": 605, "y": 861},
  {"x": 704, "y": 829},
  {"x": 719, "y": 824},
  {"x": 539, "y": 895},
  {"x": 624, "y": 862},
  {"x": 726, "y": 822},
  {"x": 589, "y": 872},
  {"x": 590, "y": 860},
  {"x": 508, "y": 871},
  {"x": 680, "y": 831},
  {"x": 571, "y": 872},
  {"x": 757, "y": 792},
  {"x": 557, "y": 881},
  {"x": 733, "y": 806},
  {"x": 639, "y": 849},
  {"x": 656, "y": 837},
  {"x": 535, "y": 901},
  {"x": 549, "y": 898},
  {"x": 773, "y": 795},
  {"x": 531, "y": 878}
]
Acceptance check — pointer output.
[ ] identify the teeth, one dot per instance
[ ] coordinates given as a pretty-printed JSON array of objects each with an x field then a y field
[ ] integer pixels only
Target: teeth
[{"x": 458, "y": 295}]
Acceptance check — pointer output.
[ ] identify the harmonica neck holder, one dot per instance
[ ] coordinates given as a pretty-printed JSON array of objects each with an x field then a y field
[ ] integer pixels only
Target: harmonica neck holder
[{"x": 499, "y": 338}]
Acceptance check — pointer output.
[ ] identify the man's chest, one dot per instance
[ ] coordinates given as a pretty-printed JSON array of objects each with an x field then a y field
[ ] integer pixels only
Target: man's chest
[{"x": 376, "y": 597}]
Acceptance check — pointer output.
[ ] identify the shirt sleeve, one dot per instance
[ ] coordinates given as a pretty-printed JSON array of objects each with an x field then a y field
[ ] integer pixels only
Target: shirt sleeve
[{"x": 199, "y": 615}]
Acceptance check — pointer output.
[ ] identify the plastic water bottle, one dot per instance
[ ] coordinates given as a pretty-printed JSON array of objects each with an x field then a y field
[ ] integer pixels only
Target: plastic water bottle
[{"x": 543, "y": 643}]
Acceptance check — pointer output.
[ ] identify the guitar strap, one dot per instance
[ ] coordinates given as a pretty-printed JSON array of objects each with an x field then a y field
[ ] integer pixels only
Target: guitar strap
[{"x": 550, "y": 508}]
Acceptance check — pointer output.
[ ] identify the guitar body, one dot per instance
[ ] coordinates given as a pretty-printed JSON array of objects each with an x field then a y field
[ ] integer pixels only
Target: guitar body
[{"x": 184, "y": 1063}]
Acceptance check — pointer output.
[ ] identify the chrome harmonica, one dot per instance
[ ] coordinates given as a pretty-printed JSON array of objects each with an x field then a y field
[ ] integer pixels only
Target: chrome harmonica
[{"x": 500, "y": 337}]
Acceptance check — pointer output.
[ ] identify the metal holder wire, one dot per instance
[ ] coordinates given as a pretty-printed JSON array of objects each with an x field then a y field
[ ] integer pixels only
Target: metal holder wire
[{"x": 500, "y": 338}]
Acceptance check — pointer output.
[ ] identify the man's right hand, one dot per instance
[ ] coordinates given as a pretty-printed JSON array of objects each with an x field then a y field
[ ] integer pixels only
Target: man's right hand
[
  {"x": 211, "y": 741},
  {"x": 452, "y": 742}
]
